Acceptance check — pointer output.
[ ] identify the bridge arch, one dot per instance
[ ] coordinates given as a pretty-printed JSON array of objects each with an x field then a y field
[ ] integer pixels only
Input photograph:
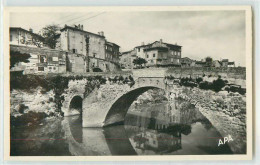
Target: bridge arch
[
  {"x": 118, "y": 110},
  {"x": 76, "y": 104},
  {"x": 109, "y": 104}
]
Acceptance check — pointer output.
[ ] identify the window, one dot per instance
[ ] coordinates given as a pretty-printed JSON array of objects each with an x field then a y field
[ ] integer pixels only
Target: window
[
  {"x": 42, "y": 59},
  {"x": 55, "y": 59},
  {"x": 153, "y": 55},
  {"x": 54, "y": 68},
  {"x": 11, "y": 38},
  {"x": 40, "y": 68},
  {"x": 138, "y": 49},
  {"x": 151, "y": 61},
  {"x": 74, "y": 50},
  {"x": 94, "y": 54},
  {"x": 147, "y": 56}
]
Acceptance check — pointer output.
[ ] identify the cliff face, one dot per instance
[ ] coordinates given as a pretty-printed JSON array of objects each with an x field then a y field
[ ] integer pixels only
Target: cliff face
[{"x": 23, "y": 101}]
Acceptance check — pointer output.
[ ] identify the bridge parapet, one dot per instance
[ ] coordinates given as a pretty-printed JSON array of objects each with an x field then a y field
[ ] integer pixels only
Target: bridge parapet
[
  {"x": 154, "y": 73},
  {"x": 158, "y": 82}
]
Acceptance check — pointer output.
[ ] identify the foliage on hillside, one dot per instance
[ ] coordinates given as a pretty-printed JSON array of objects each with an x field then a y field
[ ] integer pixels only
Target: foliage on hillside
[{"x": 16, "y": 57}]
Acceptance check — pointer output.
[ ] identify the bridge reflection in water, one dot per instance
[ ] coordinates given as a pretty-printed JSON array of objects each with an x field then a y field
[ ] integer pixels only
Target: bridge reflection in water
[{"x": 175, "y": 128}]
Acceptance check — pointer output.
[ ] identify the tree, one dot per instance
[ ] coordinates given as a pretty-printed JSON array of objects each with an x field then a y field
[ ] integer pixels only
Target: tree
[
  {"x": 16, "y": 57},
  {"x": 209, "y": 61},
  {"x": 50, "y": 33},
  {"x": 139, "y": 61}
]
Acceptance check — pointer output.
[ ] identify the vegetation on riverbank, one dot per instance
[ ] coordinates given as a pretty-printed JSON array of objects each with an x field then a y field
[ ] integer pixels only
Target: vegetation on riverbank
[
  {"x": 216, "y": 85},
  {"x": 52, "y": 87}
]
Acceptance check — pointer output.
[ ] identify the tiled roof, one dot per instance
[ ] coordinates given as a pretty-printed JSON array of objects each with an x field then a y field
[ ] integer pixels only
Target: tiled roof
[
  {"x": 74, "y": 28},
  {"x": 19, "y": 28}
]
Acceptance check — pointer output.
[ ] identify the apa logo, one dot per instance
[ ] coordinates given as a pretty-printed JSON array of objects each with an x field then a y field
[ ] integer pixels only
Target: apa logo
[{"x": 226, "y": 139}]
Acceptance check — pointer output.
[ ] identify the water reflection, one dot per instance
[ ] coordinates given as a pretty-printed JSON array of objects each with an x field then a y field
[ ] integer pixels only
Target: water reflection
[{"x": 167, "y": 128}]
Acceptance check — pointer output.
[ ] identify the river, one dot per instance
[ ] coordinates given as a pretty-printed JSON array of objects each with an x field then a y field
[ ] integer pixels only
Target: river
[{"x": 169, "y": 128}]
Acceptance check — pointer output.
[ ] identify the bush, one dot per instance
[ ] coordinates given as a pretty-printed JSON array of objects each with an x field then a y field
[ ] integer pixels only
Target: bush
[
  {"x": 218, "y": 85},
  {"x": 199, "y": 79},
  {"x": 121, "y": 78},
  {"x": 131, "y": 78},
  {"x": 22, "y": 107},
  {"x": 205, "y": 85},
  {"x": 188, "y": 82}
]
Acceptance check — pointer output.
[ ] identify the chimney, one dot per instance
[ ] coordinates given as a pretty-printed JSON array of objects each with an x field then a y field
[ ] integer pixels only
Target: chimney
[
  {"x": 102, "y": 33},
  {"x": 160, "y": 41},
  {"x": 31, "y": 30},
  {"x": 81, "y": 27},
  {"x": 142, "y": 43}
]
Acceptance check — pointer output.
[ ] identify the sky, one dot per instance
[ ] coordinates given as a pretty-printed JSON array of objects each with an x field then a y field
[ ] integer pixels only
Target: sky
[{"x": 218, "y": 34}]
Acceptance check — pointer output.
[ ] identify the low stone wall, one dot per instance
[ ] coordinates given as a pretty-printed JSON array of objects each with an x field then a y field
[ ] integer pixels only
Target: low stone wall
[{"x": 234, "y": 72}]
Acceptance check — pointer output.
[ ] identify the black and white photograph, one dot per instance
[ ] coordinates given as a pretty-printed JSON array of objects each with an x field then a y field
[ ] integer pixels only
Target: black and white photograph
[{"x": 128, "y": 82}]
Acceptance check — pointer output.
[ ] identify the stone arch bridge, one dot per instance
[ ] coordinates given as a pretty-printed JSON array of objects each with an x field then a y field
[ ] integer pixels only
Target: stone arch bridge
[{"x": 109, "y": 104}]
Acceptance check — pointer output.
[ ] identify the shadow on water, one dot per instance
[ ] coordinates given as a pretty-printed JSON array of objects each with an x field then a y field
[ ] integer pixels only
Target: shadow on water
[
  {"x": 76, "y": 127},
  {"x": 117, "y": 141},
  {"x": 98, "y": 141}
]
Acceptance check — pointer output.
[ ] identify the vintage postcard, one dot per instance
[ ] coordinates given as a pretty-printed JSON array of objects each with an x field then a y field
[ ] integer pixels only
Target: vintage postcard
[{"x": 128, "y": 83}]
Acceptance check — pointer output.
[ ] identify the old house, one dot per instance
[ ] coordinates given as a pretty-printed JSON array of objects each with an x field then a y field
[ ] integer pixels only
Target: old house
[
  {"x": 42, "y": 60},
  {"x": 216, "y": 64},
  {"x": 231, "y": 64},
  {"x": 186, "y": 62},
  {"x": 20, "y": 36},
  {"x": 159, "y": 54},
  {"x": 79, "y": 42},
  {"x": 97, "y": 53},
  {"x": 198, "y": 64},
  {"x": 126, "y": 59},
  {"x": 112, "y": 52},
  {"x": 224, "y": 63},
  {"x": 76, "y": 40},
  {"x": 227, "y": 63}
]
